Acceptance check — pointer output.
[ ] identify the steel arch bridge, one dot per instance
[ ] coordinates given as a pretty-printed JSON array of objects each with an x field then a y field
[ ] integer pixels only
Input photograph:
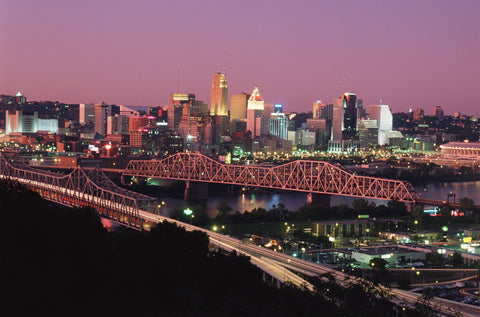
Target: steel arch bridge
[
  {"x": 82, "y": 188},
  {"x": 307, "y": 176}
]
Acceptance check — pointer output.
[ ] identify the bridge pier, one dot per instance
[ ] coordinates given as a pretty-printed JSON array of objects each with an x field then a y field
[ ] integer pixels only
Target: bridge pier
[
  {"x": 196, "y": 191},
  {"x": 321, "y": 199},
  {"x": 410, "y": 207}
]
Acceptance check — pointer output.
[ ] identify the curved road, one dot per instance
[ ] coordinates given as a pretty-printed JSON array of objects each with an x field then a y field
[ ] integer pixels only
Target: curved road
[{"x": 279, "y": 265}]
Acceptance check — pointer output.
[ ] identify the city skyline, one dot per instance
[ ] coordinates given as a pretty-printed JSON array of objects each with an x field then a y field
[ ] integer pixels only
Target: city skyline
[{"x": 406, "y": 54}]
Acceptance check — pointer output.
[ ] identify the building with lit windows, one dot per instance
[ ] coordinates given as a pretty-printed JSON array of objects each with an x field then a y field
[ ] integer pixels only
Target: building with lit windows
[
  {"x": 101, "y": 114},
  {"x": 86, "y": 113},
  {"x": 367, "y": 133},
  {"x": 21, "y": 121},
  {"x": 238, "y": 106},
  {"x": 438, "y": 112},
  {"x": 279, "y": 125},
  {"x": 255, "y": 111},
  {"x": 349, "y": 101},
  {"x": 219, "y": 96},
  {"x": 175, "y": 109},
  {"x": 418, "y": 114},
  {"x": 337, "y": 120},
  {"x": 461, "y": 150},
  {"x": 384, "y": 118}
]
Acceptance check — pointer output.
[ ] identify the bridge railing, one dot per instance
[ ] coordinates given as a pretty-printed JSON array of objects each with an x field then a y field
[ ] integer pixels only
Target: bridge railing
[{"x": 83, "y": 188}]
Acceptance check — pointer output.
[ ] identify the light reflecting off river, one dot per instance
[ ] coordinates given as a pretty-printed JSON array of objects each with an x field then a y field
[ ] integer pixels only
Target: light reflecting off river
[
  {"x": 293, "y": 200},
  {"x": 440, "y": 191}
]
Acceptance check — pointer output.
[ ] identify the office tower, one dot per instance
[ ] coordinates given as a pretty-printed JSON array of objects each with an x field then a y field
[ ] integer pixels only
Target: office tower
[
  {"x": 418, "y": 114},
  {"x": 361, "y": 113},
  {"x": 238, "y": 106},
  {"x": 86, "y": 113},
  {"x": 118, "y": 124},
  {"x": 349, "y": 116},
  {"x": 337, "y": 119},
  {"x": 219, "y": 96},
  {"x": 21, "y": 121},
  {"x": 279, "y": 125},
  {"x": 384, "y": 118},
  {"x": 317, "y": 109},
  {"x": 199, "y": 108},
  {"x": 268, "y": 109},
  {"x": 174, "y": 110},
  {"x": 438, "y": 112},
  {"x": 322, "y": 110},
  {"x": 50, "y": 125},
  {"x": 101, "y": 114},
  {"x": 19, "y": 98},
  {"x": 128, "y": 112},
  {"x": 188, "y": 128},
  {"x": 322, "y": 129},
  {"x": 139, "y": 123},
  {"x": 278, "y": 108},
  {"x": 255, "y": 110},
  {"x": 368, "y": 133}
]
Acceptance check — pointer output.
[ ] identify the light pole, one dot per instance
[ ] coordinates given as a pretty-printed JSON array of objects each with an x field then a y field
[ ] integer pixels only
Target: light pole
[
  {"x": 164, "y": 206},
  {"x": 189, "y": 213}
]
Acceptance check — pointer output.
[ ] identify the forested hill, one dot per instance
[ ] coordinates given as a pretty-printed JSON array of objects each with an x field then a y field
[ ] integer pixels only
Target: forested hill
[{"x": 61, "y": 261}]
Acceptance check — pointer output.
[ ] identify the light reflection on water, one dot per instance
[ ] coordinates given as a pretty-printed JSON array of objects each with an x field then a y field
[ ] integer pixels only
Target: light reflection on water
[
  {"x": 440, "y": 191},
  {"x": 293, "y": 200}
]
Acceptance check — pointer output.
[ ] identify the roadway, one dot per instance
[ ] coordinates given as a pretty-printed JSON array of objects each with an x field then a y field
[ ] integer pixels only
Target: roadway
[{"x": 280, "y": 265}]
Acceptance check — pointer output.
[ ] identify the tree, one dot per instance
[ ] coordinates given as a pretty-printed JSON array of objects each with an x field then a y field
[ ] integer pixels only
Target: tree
[
  {"x": 457, "y": 260},
  {"x": 418, "y": 215},
  {"x": 466, "y": 204},
  {"x": 360, "y": 204},
  {"x": 434, "y": 258},
  {"x": 378, "y": 263},
  {"x": 223, "y": 209}
]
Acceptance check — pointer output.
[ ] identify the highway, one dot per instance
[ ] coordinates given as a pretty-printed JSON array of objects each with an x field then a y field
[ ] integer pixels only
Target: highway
[
  {"x": 276, "y": 264},
  {"x": 279, "y": 265}
]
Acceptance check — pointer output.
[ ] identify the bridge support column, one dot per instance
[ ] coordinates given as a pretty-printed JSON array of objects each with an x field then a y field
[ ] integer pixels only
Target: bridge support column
[
  {"x": 321, "y": 199},
  {"x": 196, "y": 191}
]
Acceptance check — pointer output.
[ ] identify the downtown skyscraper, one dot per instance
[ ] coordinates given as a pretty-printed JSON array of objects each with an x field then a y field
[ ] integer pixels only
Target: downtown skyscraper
[{"x": 219, "y": 95}]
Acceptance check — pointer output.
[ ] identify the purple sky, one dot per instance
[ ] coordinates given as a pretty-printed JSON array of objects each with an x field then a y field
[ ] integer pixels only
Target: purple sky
[{"x": 409, "y": 53}]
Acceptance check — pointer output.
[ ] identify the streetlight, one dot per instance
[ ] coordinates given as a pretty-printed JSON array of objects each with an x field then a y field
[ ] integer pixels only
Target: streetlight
[
  {"x": 189, "y": 213},
  {"x": 164, "y": 205}
]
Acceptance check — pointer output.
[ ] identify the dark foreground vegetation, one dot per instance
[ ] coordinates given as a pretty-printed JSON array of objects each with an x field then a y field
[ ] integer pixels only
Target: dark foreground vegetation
[{"x": 61, "y": 261}]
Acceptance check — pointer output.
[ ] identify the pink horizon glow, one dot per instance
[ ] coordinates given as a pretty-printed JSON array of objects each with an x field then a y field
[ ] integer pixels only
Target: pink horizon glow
[{"x": 408, "y": 53}]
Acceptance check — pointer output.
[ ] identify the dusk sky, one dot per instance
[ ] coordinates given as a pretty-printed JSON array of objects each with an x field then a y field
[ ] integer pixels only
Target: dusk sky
[{"x": 407, "y": 53}]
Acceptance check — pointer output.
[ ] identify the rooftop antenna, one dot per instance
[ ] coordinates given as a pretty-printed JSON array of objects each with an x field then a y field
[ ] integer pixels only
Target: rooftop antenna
[
  {"x": 226, "y": 62},
  {"x": 178, "y": 75},
  {"x": 380, "y": 100}
]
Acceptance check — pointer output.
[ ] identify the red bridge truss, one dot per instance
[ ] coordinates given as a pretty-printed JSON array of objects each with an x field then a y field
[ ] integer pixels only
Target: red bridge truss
[
  {"x": 82, "y": 188},
  {"x": 306, "y": 176}
]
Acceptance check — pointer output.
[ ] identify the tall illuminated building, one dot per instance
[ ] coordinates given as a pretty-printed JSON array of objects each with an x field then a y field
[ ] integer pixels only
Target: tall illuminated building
[
  {"x": 337, "y": 120},
  {"x": 322, "y": 110},
  {"x": 238, "y": 106},
  {"x": 384, "y": 118},
  {"x": 21, "y": 121},
  {"x": 219, "y": 96},
  {"x": 349, "y": 101},
  {"x": 101, "y": 114},
  {"x": 175, "y": 109},
  {"x": 418, "y": 114},
  {"x": 86, "y": 113},
  {"x": 438, "y": 112},
  {"x": 255, "y": 110}
]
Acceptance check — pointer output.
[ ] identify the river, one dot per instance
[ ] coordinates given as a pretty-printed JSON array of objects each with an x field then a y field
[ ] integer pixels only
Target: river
[{"x": 293, "y": 200}]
